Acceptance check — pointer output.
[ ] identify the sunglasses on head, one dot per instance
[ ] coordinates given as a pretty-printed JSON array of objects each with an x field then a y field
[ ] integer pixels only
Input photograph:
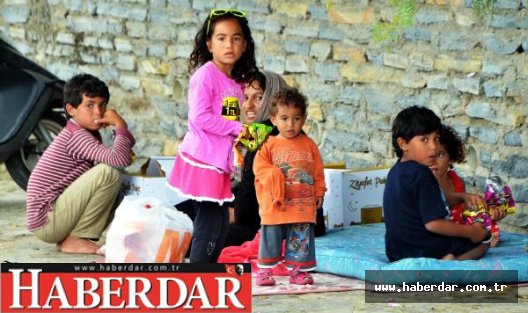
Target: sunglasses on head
[{"x": 220, "y": 12}]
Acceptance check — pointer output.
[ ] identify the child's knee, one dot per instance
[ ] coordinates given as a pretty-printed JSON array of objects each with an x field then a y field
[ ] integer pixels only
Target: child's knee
[{"x": 108, "y": 174}]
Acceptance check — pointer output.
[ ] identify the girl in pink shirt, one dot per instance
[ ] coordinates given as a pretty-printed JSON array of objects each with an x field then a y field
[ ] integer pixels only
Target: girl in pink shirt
[{"x": 223, "y": 59}]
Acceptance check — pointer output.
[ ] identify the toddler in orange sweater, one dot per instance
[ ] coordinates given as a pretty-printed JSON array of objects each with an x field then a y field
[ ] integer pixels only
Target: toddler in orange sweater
[{"x": 289, "y": 181}]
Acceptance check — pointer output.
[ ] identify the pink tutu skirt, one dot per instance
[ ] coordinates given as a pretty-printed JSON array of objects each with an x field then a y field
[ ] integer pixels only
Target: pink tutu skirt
[{"x": 196, "y": 180}]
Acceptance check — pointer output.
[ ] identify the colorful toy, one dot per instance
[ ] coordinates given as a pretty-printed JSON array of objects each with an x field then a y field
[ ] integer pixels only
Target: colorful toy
[
  {"x": 498, "y": 197},
  {"x": 257, "y": 136}
]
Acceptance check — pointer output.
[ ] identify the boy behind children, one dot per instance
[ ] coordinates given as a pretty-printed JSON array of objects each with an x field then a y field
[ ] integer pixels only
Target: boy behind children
[
  {"x": 69, "y": 197},
  {"x": 415, "y": 209}
]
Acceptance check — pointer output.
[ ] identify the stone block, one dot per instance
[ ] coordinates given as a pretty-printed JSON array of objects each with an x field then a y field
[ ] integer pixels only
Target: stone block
[
  {"x": 268, "y": 24},
  {"x": 329, "y": 71},
  {"x": 413, "y": 80},
  {"x": 352, "y": 16},
  {"x": 380, "y": 100},
  {"x": 395, "y": 60},
  {"x": 341, "y": 115},
  {"x": 182, "y": 17},
  {"x": 467, "y": 84},
  {"x": 465, "y": 64},
  {"x": 293, "y": 10},
  {"x": 493, "y": 89},
  {"x": 65, "y": 38},
  {"x": 354, "y": 142},
  {"x": 318, "y": 12},
  {"x": 515, "y": 166},
  {"x": 316, "y": 89},
  {"x": 90, "y": 41},
  {"x": 179, "y": 51},
  {"x": 458, "y": 41},
  {"x": 506, "y": 4},
  {"x": 332, "y": 33},
  {"x": 158, "y": 49},
  {"x": 414, "y": 33},
  {"x": 275, "y": 63},
  {"x": 158, "y": 16},
  {"x": 126, "y": 62},
  {"x": 431, "y": 15},
  {"x": 314, "y": 111},
  {"x": 296, "y": 64},
  {"x": 161, "y": 32},
  {"x": 494, "y": 111},
  {"x": 498, "y": 44},
  {"x": 465, "y": 18},
  {"x": 484, "y": 134},
  {"x": 136, "y": 29},
  {"x": 355, "y": 54},
  {"x": 255, "y": 6},
  {"x": 364, "y": 73},
  {"x": 438, "y": 81},
  {"x": 89, "y": 57},
  {"x": 503, "y": 21},
  {"x": 129, "y": 82},
  {"x": 495, "y": 66},
  {"x": 110, "y": 74},
  {"x": 513, "y": 139},
  {"x": 180, "y": 4},
  {"x": 320, "y": 50},
  {"x": 406, "y": 100},
  {"x": 14, "y": 14},
  {"x": 122, "y": 44},
  {"x": 154, "y": 66},
  {"x": 155, "y": 86},
  {"x": 302, "y": 30},
  {"x": 299, "y": 47},
  {"x": 350, "y": 95}
]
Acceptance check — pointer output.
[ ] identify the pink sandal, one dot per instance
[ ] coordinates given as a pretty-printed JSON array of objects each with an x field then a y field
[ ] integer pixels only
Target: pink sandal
[
  {"x": 300, "y": 278},
  {"x": 265, "y": 277}
]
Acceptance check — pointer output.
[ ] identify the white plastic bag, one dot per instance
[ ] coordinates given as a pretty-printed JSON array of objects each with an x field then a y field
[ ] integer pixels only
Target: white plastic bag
[{"x": 147, "y": 230}]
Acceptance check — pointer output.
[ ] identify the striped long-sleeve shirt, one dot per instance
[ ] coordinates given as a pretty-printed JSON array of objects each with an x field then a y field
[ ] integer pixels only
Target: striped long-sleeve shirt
[{"x": 73, "y": 152}]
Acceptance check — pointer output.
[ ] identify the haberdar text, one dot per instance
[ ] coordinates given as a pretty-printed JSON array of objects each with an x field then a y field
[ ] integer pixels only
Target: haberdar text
[{"x": 31, "y": 290}]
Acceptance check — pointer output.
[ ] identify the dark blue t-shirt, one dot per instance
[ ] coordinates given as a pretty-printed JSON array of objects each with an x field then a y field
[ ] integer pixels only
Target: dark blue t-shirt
[{"x": 411, "y": 199}]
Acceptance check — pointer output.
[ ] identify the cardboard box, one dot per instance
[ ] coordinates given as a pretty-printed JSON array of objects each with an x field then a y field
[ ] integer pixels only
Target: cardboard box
[
  {"x": 351, "y": 191},
  {"x": 362, "y": 189},
  {"x": 333, "y": 200},
  {"x": 151, "y": 180}
]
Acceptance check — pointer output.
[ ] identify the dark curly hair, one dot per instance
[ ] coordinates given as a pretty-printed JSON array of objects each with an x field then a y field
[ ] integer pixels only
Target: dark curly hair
[
  {"x": 245, "y": 68},
  {"x": 83, "y": 84},
  {"x": 453, "y": 144},
  {"x": 413, "y": 121},
  {"x": 288, "y": 96}
]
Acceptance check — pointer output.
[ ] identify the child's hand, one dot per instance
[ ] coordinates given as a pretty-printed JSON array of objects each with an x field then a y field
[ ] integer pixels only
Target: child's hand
[
  {"x": 475, "y": 201},
  {"x": 319, "y": 202},
  {"x": 111, "y": 117},
  {"x": 478, "y": 233},
  {"x": 245, "y": 132},
  {"x": 497, "y": 214}
]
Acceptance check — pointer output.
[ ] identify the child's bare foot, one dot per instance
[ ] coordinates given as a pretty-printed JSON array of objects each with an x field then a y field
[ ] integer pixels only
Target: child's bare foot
[
  {"x": 494, "y": 241},
  {"x": 73, "y": 244},
  {"x": 448, "y": 257}
]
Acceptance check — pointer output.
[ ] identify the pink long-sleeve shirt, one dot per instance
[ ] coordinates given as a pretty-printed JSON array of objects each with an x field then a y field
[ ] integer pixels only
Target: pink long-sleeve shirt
[{"x": 212, "y": 97}]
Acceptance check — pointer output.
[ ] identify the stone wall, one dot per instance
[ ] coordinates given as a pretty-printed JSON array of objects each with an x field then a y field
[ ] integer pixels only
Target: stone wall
[{"x": 472, "y": 73}]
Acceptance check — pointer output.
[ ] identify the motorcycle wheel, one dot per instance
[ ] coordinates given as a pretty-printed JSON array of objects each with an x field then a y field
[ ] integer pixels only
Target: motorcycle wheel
[{"x": 20, "y": 164}]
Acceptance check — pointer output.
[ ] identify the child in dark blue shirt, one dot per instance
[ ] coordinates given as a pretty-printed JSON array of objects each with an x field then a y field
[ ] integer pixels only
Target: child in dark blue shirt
[{"x": 415, "y": 209}]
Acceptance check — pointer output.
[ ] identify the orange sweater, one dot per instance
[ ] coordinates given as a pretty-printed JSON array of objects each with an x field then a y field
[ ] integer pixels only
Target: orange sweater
[{"x": 289, "y": 176}]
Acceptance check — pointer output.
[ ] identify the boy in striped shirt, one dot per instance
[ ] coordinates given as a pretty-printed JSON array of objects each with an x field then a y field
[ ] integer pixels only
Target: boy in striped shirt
[{"x": 72, "y": 190}]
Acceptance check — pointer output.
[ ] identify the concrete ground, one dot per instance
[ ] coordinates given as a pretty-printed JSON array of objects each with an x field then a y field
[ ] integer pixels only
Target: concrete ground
[{"x": 19, "y": 245}]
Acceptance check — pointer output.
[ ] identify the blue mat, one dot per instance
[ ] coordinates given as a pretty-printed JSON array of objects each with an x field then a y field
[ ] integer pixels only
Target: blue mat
[{"x": 352, "y": 250}]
